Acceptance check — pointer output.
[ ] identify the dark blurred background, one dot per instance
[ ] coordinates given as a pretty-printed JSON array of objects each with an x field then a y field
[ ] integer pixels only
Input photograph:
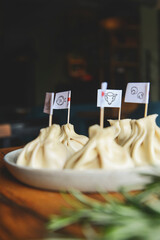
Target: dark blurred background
[{"x": 56, "y": 45}]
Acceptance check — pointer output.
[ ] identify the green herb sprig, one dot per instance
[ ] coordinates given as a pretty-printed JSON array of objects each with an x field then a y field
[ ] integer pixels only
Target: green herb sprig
[{"x": 135, "y": 218}]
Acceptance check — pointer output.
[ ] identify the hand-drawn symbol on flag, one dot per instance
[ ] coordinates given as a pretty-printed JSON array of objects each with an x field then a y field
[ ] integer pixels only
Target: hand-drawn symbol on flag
[
  {"x": 134, "y": 90},
  {"x": 140, "y": 95},
  {"x": 110, "y": 97},
  {"x": 61, "y": 100}
]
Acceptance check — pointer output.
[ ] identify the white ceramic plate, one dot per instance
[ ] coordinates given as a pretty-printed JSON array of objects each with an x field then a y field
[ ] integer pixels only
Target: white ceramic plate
[{"x": 82, "y": 180}]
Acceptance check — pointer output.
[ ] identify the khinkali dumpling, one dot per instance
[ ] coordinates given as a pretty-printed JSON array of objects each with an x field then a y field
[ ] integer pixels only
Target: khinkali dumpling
[
  {"x": 141, "y": 138},
  {"x": 100, "y": 152},
  {"x": 52, "y": 147}
]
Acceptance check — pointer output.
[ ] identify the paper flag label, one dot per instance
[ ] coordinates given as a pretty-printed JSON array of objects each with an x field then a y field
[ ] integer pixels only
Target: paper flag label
[
  {"x": 111, "y": 98},
  {"x": 62, "y": 100},
  {"x": 137, "y": 92},
  {"x": 48, "y": 105}
]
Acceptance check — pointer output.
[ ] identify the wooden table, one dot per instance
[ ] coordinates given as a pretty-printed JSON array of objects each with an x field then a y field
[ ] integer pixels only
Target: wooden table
[{"x": 24, "y": 210}]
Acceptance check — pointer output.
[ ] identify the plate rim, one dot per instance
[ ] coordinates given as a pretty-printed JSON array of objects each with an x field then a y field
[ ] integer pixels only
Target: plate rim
[{"x": 63, "y": 174}]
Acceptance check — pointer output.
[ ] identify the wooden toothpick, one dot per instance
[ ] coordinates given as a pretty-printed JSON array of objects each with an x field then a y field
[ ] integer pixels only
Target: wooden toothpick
[
  {"x": 102, "y": 117},
  {"x": 119, "y": 113},
  {"x": 50, "y": 120},
  {"x": 146, "y": 110}
]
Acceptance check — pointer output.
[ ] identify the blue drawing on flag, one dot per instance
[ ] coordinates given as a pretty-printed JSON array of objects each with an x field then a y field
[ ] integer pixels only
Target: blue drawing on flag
[{"x": 110, "y": 97}]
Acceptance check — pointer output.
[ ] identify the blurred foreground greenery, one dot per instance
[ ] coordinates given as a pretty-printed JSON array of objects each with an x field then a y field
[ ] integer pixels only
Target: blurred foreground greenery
[{"x": 136, "y": 217}]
